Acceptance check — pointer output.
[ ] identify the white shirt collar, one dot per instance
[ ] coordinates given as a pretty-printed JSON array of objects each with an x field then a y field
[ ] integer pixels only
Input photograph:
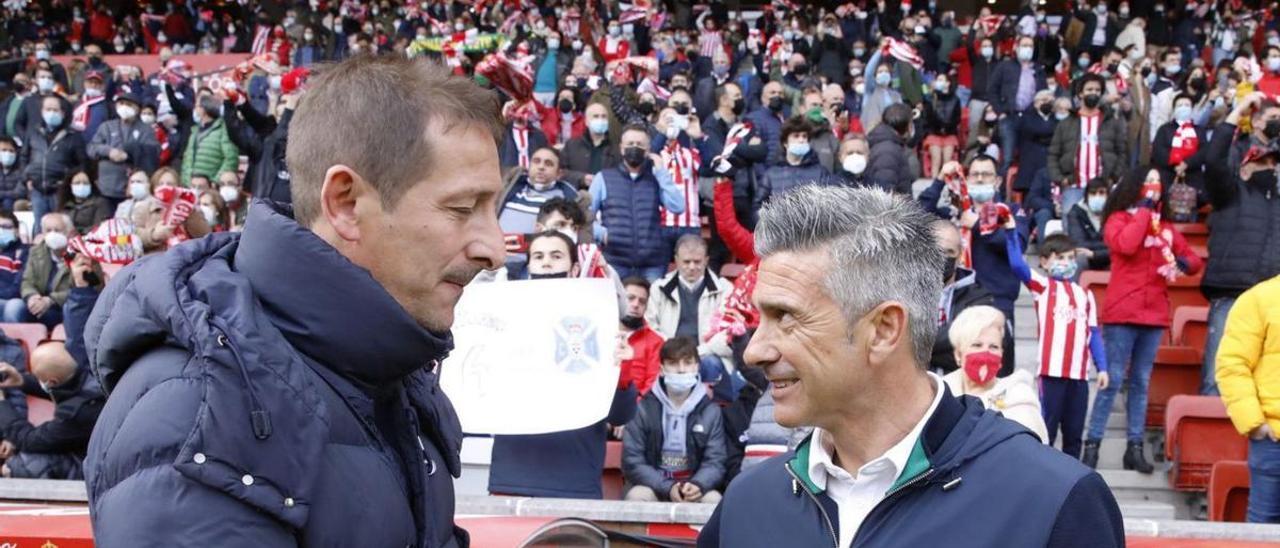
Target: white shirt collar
[{"x": 822, "y": 464}]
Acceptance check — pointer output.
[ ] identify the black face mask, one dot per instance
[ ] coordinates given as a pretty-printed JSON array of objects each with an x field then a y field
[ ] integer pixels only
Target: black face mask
[
  {"x": 645, "y": 108},
  {"x": 739, "y": 106},
  {"x": 1146, "y": 71},
  {"x": 1198, "y": 84},
  {"x": 681, "y": 109},
  {"x": 632, "y": 322},
  {"x": 1271, "y": 130},
  {"x": 533, "y": 276},
  {"x": 1263, "y": 179},
  {"x": 566, "y": 106},
  {"x": 634, "y": 156},
  {"x": 948, "y": 269},
  {"x": 775, "y": 104},
  {"x": 1113, "y": 68},
  {"x": 802, "y": 68},
  {"x": 1045, "y": 108},
  {"x": 1092, "y": 100}
]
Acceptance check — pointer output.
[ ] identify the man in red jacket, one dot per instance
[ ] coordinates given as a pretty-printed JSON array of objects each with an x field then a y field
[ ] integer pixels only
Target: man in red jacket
[{"x": 644, "y": 363}]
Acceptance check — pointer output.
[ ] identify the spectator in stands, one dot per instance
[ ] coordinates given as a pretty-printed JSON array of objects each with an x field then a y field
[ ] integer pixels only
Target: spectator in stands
[
  {"x": 209, "y": 151},
  {"x": 977, "y": 335},
  {"x": 570, "y": 122},
  {"x": 960, "y": 291},
  {"x": 1146, "y": 254},
  {"x": 980, "y": 58},
  {"x": 11, "y": 106},
  {"x": 528, "y": 191},
  {"x": 13, "y": 257},
  {"x": 877, "y": 95},
  {"x": 942, "y": 121},
  {"x": 521, "y": 138},
  {"x": 392, "y": 238},
  {"x": 52, "y": 152},
  {"x": 853, "y": 159},
  {"x": 1013, "y": 86},
  {"x": 642, "y": 367},
  {"x": 674, "y": 450},
  {"x": 848, "y": 288},
  {"x": 1084, "y": 225},
  {"x": 120, "y": 144},
  {"x": 1244, "y": 245},
  {"x": 94, "y": 106},
  {"x": 1036, "y": 126},
  {"x": 13, "y": 179},
  {"x": 591, "y": 153},
  {"x": 797, "y": 166},
  {"x": 139, "y": 188},
  {"x": 59, "y": 372},
  {"x": 627, "y": 201},
  {"x": 1089, "y": 144},
  {"x": 1246, "y": 375},
  {"x": 682, "y": 304},
  {"x": 1180, "y": 147},
  {"x": 214, "y": 211},
  {"x": 46, "y": 280},
  {"x": 84, "y": 204},
  {"x": 33, "y": 106},
  {"x": 233, "y": 195},
  {"x": 889, "y": 164},
  {"x": 768, "y": 118}
]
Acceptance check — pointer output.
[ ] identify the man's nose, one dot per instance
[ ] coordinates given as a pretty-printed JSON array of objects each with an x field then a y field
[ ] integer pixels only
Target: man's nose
[
  {"x": 488, "y": 248},
  {"x": 760, "y": 351}
]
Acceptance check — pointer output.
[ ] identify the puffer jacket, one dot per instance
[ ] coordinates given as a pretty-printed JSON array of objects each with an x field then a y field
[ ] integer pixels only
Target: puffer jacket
[
  {"x": 1244, "y": 236},
  {"x": 783, "y": 176},
  {"x": 1066, "y": 143},
  {"x": 889, "y": 166},
  {"x": 209, "y": 151},
  {"x": 705, "y": 444},
  {"x": 245, "y": 410},
  {"x": 1248, "y": 361},
  {"x": 52, "y": 157}
]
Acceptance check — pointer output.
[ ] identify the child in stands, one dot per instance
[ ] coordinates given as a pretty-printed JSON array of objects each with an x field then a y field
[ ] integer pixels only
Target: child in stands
[{"x": 1068, "y": 336}]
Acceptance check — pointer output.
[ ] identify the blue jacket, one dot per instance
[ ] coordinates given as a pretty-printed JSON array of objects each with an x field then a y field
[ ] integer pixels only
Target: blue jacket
[
  {"x": 12, "y": 260},
  {"x": 990, "y": 256},
  {"x": 1002, "y": 88},
  {"x": 973, "y": 479},
  {"x": 628, "y": 218},
  {"x": 265, "y": 391}
]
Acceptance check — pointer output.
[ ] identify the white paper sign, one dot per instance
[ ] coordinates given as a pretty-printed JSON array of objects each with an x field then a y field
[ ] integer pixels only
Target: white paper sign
[{"x": 533, "y": 357}]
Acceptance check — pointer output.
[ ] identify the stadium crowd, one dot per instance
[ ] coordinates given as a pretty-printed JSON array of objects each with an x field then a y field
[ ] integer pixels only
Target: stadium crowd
[{"x": 641, "y": 141}]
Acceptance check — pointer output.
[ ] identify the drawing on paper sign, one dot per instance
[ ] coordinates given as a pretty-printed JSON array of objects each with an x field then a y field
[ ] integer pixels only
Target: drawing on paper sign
[{"x": 576, "y": 349}]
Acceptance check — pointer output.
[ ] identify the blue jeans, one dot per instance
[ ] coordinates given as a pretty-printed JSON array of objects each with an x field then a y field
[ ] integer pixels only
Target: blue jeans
[
  {"x": 963, "y": 94},
  {"x": 1042, "y": 217},
  {"x": 15, "y": 311},
  {"x": 1131, "y": 351},
  {"x": 1070, "y": 197},
  {"x": 1008, "y": 141},
  {"x": 650, "y": 273},
  {"x": 41, "y": 203},
  {"x": 1264, "y": 482},
  {"x": 1218, "y": 309}
]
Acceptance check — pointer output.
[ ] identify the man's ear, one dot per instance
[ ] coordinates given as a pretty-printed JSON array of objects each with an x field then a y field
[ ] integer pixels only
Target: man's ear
[
  {"x": 341, "y": 196},
  {"x": 575, "y": 269},
  {"x": 888, "y": 323}
]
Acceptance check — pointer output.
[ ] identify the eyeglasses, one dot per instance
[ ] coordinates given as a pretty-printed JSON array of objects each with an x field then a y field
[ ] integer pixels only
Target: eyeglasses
[{"x": 982, "y": 175}]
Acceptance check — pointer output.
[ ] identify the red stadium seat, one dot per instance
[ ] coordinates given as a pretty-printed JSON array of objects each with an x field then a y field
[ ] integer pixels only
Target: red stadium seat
[
  {"x": 1198, "y": 434},
  {"x": 59, "y": 333},
  {"x": 1185, "y": 291},
  {"x": 39, "y": 410},
  {"x": 1229, "y": 491},
  {"x": 1096, "y": 281},
  {"x": 1196, "y": 234},
  {"x": 731, "y": 271},
  {"x": 1176, "y": 371},
  {"x": 1191, "y": 326},
  {"x": 612, "y": 482},
  {"x": 31, "y": 334}
]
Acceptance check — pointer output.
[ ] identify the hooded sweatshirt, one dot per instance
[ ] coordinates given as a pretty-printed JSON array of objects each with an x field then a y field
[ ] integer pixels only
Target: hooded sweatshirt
[{"x": 675, "y": 457}]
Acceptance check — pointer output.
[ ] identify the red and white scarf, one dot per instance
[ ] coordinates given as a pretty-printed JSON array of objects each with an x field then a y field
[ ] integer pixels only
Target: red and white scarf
[
  {"x": 1162, "y": 238},
  {"x": 1122, "y": 86},
  {"x": 113, "y": 241},
  {"x": 904, "y": 52},
  {"x": 990, "y": 24},
  {"x": 1185, "y": 144},
  {"x": 260, "y": 39},
  {"x": 736, "y": 134},
  {"x": 958, "y": 186},
  {"x": 1089, "y": 151},
  {"x": 520, "y": 136},
  {"x": 178, "y": 204},
  {"x": 592, "y": 259},
  {"x": 80, "y": 116}
]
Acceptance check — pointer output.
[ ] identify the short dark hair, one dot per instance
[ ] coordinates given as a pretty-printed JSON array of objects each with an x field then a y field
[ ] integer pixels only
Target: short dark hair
[
  {"x": 211, "y": 106},
  {"x": 7, "y": 140},
  {"x": 1187, "y": 96},
  {"x": 636, "y": 281},
  {"x": 1096, "y": 184},
  {"x": 723, "y": 89},
  {"x": 1056, "y": 244},
  {"x": 391, "y": 112},
  {"x": 569, "y": 209},
  {"x": 6, "y": 214},
  {"x": 636, "y": 127},
  {"x": 793, "y": 125},
  {"x": 982, "y": 158},
  {"x": 678, "y": 349},
  {"x": 1078, "y": 85},
  {"x": 556, "y": 234},
  {"x": 897, "y": 116}
]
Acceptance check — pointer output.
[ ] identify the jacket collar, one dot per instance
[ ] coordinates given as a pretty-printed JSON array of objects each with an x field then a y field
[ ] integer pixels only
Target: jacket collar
[
  {"x": 333, "y": 311},
  {"x": 671, "y": 283}
]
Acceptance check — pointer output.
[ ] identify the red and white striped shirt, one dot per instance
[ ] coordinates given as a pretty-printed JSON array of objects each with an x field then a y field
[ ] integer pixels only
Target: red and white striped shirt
[
  {"x": 1089, "y": 154},
  {"x": 1066, "y": 313},
  {"x": 260, "y": 39},
  {"x": 683, "y": 164}
]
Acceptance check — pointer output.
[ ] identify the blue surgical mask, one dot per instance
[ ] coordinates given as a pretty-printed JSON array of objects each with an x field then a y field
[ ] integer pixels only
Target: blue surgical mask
[
  {"x": 883, "y": 79},
  {"x": 987, "y": 52},
  {"x": 1063, "y": 270},
  {"x": 982, "y": 193},
  {"x": 1084, "y": 62},
  {"x": 598, "y": 126},
  {"x": 679, "y": 383},
  {"x": 81, "y": 191},
  {"x": 1182, "y": 114},
  {"x": 7, "y": 158},
  {"x": 1096, "y": 203},
  {"x": 1061, "y": 115},
  {"x": 52, "y": 119},
  {"x": 7, "y": 236},
  {"x": 799, "y": 150}
]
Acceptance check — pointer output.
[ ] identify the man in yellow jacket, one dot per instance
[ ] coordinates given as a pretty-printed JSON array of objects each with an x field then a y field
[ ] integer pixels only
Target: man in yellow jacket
[{"x": 1248, "y": 374}]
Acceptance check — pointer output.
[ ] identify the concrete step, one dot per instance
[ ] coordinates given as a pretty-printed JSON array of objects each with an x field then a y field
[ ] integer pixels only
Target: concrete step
[
  {"x": 1131, "y": 487},
  {"x": 1144, "y": 509}
]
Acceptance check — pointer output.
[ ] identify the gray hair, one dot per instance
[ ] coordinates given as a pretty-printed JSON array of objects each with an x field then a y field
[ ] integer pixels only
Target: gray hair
[
  {"x": 881, "y": 246},
  {"x": 688, "y": 240}
]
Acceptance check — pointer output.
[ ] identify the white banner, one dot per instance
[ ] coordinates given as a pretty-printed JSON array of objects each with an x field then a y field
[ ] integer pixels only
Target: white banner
[{"x": 533, "y": 357}]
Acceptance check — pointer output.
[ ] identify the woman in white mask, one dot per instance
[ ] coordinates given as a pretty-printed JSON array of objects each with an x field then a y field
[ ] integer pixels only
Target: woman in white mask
[
  {"x": 139, "y": 187},
  {"x": 82, "y": 202}
]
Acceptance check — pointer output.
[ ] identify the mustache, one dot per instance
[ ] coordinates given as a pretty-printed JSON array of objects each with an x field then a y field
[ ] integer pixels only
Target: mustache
[{"x": 461, "y": 275}]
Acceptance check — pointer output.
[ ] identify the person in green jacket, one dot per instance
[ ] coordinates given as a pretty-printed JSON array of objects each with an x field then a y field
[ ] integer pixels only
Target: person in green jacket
[{"x": 209, "y": 149}]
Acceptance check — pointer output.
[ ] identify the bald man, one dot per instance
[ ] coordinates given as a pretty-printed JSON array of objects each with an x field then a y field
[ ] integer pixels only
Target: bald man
[{"x": 59, "y": 372}]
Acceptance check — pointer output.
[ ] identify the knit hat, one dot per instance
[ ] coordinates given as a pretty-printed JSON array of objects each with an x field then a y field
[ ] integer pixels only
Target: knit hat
[{"x": 294, "y": 80}]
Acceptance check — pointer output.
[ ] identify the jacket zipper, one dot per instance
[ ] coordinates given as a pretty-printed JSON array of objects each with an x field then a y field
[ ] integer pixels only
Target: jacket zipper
[
  {"x": 889, "y": 496},
  {"x": 835, "y": 539}
]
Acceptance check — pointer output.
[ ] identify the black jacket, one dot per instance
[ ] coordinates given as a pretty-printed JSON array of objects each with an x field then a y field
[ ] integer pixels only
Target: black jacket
[
  {"x": 1035, "y": 134},
  {"x": 1085, "y": 235},
  {"x": 575, "y": 158},
  {"x": 705, "y": 445},
  {"x": 1163, "y": 145},
  {"x": 968, "y": 292},
  {"x": 1244, "y": 235},
  {"x": 264, "y": 141},
  {"x": 783, "y": 176},
  {"x": 942, "y": 114},
  {"x": 889, "y": 166},
  {"x": 1002, "y": 88},
  {"x": 52, "y": 157}
]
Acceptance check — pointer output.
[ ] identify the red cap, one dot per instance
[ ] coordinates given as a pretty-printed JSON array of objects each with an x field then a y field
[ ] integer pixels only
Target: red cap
[
  {"x": 94, "y": 75},
  {"x": 294, "y": 80}
]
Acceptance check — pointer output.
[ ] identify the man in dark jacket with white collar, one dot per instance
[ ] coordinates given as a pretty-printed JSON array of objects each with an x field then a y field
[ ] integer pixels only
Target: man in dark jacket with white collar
[
  {"x": 278, "y": 387},
  {"x": 848, "y": 290}
]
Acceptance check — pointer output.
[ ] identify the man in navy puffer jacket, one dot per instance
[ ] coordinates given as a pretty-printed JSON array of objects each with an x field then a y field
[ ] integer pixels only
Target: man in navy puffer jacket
[{"x": 279, "y": 387}]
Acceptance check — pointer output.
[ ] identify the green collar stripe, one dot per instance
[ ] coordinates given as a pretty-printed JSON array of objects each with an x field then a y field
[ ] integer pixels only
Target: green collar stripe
[{"x": 917, "y": 463}]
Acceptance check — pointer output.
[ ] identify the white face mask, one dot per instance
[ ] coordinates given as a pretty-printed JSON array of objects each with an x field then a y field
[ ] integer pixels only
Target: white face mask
[
  {"x": 56, "y": 241},
  {"x": 855, "y": 163},
  {"x": 138, "y": 191},
  {"x": 81, "y": 191},
  {"x": 229, "y": 193},
  {"x": 92, "y": 92},
  {"x": 126, "y": 112},
  {"x": 148, "y": 119},
  {"x": 44, "y": 84},
  {"x": 210, "y": 214}
]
